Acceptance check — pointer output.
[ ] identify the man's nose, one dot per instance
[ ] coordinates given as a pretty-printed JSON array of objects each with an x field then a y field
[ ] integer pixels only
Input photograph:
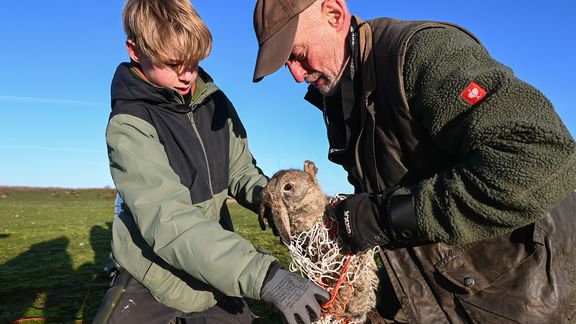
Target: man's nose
[{"x": 297, "y": 71}]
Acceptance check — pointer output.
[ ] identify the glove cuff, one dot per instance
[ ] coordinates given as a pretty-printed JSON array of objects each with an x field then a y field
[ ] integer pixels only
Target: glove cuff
[
  {"x": 402, "y": 219},
  {"x": 272, "y": 269},
  {"x": 361, "y": 220}
]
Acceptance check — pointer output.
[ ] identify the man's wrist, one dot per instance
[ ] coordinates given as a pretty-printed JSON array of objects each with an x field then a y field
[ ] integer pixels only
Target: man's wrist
[
  {"x": 402, "y": 219},
  {"x": 386, "y": 219}
]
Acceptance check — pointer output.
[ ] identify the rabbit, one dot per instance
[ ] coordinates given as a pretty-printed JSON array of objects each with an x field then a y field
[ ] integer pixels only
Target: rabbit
[{"x": 295, "y": 202}]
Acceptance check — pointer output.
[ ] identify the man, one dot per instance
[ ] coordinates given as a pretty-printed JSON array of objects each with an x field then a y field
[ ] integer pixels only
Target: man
[{"x": 463, "y": 174}]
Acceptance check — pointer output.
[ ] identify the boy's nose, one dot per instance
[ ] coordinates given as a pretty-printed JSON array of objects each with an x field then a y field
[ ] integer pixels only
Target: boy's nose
[{"x": 187, "y": 73}]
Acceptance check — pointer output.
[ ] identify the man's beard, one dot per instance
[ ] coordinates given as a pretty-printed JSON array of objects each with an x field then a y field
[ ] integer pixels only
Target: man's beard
[
  {"x": 328, "y": 88},
  {"x": 333, "y": 83}
]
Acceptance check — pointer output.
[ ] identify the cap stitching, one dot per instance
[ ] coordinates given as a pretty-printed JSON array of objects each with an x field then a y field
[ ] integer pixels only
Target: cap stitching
[{"x": 287, "y": 8}]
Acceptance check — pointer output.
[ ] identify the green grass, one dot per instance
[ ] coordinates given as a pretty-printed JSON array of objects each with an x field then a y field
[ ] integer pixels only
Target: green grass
[{"x": 54, "y": 242}]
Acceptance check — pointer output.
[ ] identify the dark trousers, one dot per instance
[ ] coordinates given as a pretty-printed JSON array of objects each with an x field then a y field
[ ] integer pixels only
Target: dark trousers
[{"x": 138, "y": 306}]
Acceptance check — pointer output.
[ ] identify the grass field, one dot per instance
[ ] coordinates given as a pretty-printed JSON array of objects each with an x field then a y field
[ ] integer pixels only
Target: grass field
[{"x": 54, "y": 243}]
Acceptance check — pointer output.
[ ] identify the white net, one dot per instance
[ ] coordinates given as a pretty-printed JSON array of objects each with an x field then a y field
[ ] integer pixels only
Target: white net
[{"x": 317, "y": 254}]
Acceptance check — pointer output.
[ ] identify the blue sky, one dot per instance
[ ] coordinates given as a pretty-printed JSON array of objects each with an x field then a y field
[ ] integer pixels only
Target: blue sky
[{"x": 58, "y": 57}]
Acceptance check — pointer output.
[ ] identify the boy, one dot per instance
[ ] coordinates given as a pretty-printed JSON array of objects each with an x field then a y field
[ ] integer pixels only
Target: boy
[{"x": 177, "y": 150}]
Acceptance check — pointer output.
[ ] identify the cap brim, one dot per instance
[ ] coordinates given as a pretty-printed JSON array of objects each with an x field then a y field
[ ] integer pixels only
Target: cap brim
[{"x": 275, "y": 51}]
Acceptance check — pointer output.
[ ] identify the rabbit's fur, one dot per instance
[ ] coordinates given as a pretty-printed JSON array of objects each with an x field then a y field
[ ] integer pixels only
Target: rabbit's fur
[{"x": 296, "y": 202}]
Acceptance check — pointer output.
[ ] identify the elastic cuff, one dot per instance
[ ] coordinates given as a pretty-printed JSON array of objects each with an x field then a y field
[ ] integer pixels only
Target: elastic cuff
[
  {"x": 274, "y": 267},
  {"x": 402, "y": 218}
]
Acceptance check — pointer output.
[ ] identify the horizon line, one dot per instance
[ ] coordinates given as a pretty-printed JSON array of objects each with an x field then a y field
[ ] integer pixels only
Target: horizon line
[{"x": 17, "y": 99}]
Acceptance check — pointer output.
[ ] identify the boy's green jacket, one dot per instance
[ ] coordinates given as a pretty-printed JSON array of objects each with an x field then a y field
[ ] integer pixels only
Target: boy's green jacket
[{"x": 175, "y": 164}]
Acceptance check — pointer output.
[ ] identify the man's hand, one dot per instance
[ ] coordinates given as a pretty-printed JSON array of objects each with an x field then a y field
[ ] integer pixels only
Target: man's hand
[
  {"x": 297, "y": 298},
  {"x": 363, "y": 221},
  {"x": 369, "y": 220}
]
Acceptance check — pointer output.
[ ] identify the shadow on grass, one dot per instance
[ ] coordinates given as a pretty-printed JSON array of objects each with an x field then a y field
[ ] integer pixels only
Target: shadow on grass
[{"x": 41, "y": 282}]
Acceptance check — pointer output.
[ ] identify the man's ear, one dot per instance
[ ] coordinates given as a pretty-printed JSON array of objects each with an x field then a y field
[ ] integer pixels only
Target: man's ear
[
  {"x": 133, "y": 51},
  {"x": 335, "y": 13}
]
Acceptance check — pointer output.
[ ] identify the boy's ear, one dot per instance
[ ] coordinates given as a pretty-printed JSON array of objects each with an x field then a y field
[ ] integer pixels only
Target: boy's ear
[{"x": 133, "y": 51}]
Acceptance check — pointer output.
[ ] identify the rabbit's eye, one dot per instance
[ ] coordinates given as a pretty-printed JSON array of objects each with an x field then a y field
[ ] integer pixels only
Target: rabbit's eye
[{"x": 288, "y": 187}]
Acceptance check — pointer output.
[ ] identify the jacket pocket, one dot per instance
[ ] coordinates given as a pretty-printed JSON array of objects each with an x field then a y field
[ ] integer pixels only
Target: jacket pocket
[
  {"x": 501, "y": 280},
  {"x": 173, "y": 291},
  {"x": 475, "y": 267},
  {"x": 517, "y": 278}
]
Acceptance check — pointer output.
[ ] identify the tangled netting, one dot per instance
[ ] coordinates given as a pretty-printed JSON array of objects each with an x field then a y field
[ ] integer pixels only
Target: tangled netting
[{"x": 318, "y": 255}]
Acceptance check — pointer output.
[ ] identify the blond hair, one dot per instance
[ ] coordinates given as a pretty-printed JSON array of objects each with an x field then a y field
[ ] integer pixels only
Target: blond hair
[{"x": 165, "y": 30}]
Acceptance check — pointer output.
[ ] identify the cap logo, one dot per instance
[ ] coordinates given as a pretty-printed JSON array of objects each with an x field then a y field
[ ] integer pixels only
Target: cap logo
[{"x": 473, "y": 93}]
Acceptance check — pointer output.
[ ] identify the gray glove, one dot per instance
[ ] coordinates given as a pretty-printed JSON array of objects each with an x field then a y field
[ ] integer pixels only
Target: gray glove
[{"x": 296, "y": 297}]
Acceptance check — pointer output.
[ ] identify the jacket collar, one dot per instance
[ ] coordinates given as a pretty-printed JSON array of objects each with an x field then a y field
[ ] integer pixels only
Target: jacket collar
[
  {"x": 129, "y": 84},
  {"x": 366, "y": 60},
  {"x": 366, "y": 57}
]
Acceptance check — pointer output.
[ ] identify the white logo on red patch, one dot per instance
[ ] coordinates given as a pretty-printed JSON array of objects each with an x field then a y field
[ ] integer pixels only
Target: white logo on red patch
[{"x": 473, "y": 93}]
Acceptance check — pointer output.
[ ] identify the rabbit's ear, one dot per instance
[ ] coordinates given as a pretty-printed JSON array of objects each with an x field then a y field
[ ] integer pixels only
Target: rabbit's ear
[
  {"x": 310, "y": 168},
  {"x": 272, "y": 209},
  {"x": 282, "y": 222}
]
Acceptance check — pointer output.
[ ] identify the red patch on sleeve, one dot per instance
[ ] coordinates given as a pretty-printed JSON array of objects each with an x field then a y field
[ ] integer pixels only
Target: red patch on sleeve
[{"x": 473, "y": 93}]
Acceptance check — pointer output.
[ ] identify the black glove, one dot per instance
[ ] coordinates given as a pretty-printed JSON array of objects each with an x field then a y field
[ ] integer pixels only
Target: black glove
[
  {"x": 369, "y": 220},
  {"x": 297, "y": 298}
]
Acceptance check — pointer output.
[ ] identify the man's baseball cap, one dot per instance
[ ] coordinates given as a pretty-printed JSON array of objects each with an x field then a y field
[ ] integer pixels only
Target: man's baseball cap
[{"x": 275, "y": 23}]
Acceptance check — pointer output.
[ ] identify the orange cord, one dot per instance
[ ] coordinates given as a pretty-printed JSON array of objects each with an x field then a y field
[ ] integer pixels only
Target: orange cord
[
  {"x": 336, "y": 306},
  {"x": 332, "y": 227}
]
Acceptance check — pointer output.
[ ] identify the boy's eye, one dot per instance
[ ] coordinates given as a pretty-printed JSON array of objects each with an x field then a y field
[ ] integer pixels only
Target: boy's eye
[
  {"x": 178, "y": 67},
  {"x": 172, "y": 64}
]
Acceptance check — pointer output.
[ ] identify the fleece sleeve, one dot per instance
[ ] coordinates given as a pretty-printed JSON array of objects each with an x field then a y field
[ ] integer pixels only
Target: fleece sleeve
[{"x": 514, "y": 157}]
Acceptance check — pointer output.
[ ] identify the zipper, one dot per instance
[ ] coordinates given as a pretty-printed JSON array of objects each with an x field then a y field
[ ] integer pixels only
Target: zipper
[
  {"x": 357, "y": 159},
  {"x": 375, "y": 165},
  {"x": 194, "y": 104},
  {"x": 180, "y": 98},
  {"x": 359, "y": 168},
  {"x": 327, "y": 123},
  {"x": 191, "y": 118}
]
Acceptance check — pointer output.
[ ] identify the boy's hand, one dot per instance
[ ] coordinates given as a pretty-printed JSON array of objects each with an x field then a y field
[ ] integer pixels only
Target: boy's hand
[
  {"x": 297, "y": 298},
  {"x": 266, "y": 213}
]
